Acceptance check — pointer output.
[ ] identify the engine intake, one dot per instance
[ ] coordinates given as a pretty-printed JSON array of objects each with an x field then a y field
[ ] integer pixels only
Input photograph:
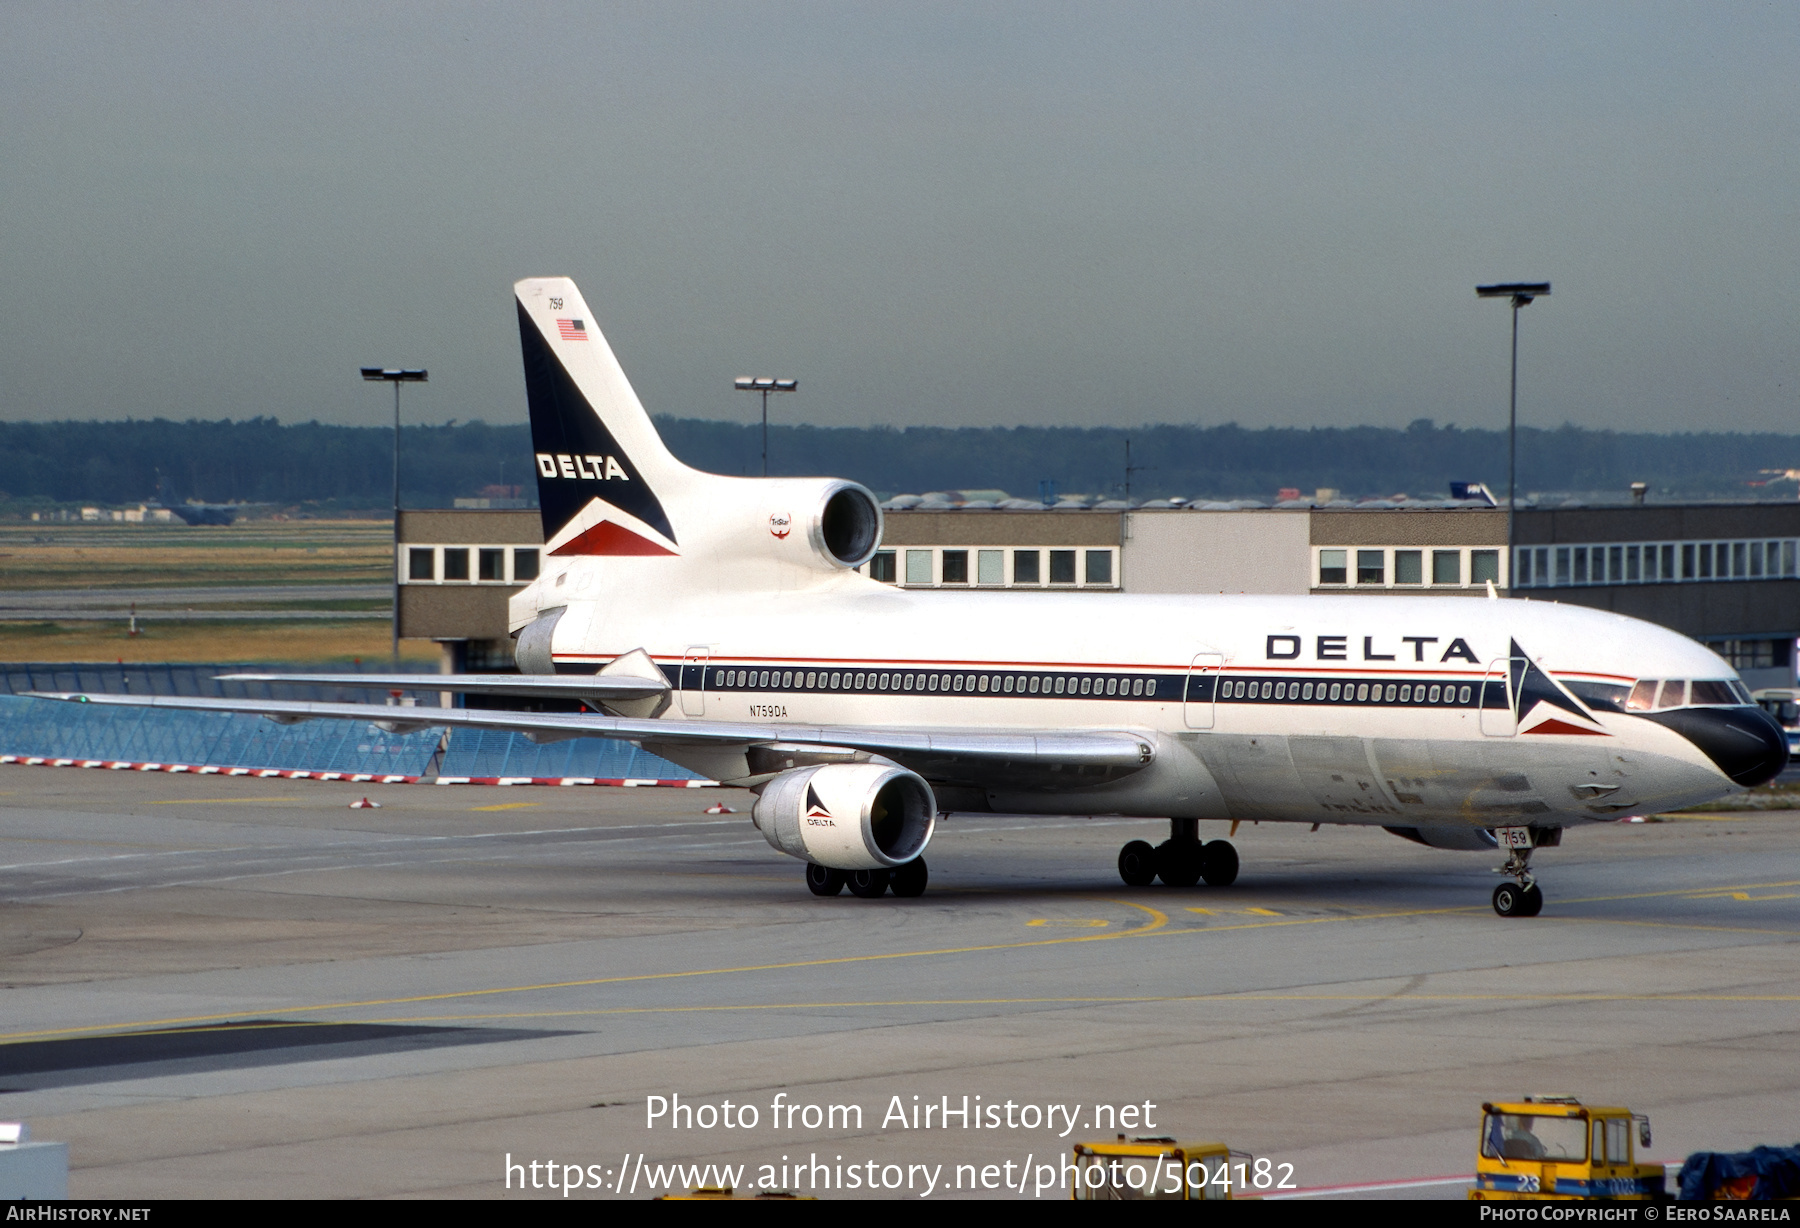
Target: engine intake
[
  {"x": 861, "y": 816},
  {"x": 848, "y": 526}
]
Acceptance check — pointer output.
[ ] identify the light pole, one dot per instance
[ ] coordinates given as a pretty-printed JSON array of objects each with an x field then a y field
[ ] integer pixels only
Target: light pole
[
  {"x": 764, "y": 385},
  {"x": 1521, "y": 294},
  {"x": 396, "y": 377}
]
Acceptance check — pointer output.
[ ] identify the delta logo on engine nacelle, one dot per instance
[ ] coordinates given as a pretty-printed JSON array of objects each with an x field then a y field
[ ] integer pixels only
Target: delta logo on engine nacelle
[{"x": 582, "y": 468}]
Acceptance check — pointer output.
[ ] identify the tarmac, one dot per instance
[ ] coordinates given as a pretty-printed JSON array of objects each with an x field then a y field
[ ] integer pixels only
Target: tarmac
[{"x": 225, "y": 988}]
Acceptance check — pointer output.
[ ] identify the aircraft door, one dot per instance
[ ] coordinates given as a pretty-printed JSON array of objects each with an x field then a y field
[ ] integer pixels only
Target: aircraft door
[
  {"x": 693, "y": 680},
  {"x": 1197, "y": 698},
  {"x": 1499, "y": 697}
]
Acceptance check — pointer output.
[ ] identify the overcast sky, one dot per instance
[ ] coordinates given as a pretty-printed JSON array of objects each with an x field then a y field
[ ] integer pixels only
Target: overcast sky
[{"x": 1107, "y": 213}]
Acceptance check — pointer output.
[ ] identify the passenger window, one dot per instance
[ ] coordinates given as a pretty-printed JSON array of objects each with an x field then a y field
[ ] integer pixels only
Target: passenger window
[
  {"x": 1599, "y": 1156},
  {"x": 1618, "y": 1141},
  {"x": 1099, "y": 567},
  {"x": 956, "y": 567},
  {"x": 1484, "y": 565},
  {"x": 1334, "y": 567},
  {"x": 1446, "y": 565},
  {"x": 918, "y": 567},
  {"x": 1409, "y": 567},
  {"x": 1062, "y": 567},
  {"x": 1643, "y": 696},
  {"x": 990, "y": 567},
  {"x": 421, "y": 563},
  {"x": 1025, "y": 567},
  {"x": 525, "y": 564},
  {"x": 1371, "y": 566},
  {"x": 1674, "y": 694}
]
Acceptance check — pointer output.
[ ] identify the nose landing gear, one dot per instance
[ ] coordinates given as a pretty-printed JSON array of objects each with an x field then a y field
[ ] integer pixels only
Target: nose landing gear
[
  {"x": 1525, "y": 899},
  {"x": 1180, "y": 861}
]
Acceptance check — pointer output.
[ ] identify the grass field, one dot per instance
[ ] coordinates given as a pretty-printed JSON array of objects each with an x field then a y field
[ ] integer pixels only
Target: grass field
[
  {"x": 222, "y": 642},
  {"x": 101, "y": 556}
]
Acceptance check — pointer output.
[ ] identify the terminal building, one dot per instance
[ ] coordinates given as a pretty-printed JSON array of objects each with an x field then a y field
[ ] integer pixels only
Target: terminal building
[{"x": 1725, "y": 574}]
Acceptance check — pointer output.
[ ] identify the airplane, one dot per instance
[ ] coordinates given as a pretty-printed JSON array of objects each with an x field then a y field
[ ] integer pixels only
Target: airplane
[{"x": 724, "y": 624}]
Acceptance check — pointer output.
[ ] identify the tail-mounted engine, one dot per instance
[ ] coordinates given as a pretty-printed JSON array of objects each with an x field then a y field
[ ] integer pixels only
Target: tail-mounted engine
[{"x": 861, "y": 816}]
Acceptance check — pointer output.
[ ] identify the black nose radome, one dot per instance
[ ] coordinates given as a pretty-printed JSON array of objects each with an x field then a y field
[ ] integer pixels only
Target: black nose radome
[{"x": 1746, "y": 743}]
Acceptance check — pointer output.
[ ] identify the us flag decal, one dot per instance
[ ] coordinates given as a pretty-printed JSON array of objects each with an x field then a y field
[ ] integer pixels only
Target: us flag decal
[{"x": 572, "y": 330}]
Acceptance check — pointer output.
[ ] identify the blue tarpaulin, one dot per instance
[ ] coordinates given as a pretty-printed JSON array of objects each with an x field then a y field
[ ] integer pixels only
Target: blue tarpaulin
[{"x": 1761, "y": 1174}]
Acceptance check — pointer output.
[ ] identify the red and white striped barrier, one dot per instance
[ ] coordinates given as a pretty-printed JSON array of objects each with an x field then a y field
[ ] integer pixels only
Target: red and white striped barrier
[{"x": 120, "y": 765}]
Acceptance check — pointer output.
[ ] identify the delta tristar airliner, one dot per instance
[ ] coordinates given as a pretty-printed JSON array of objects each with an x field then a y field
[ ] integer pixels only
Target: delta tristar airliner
[{"x": 724, "y": 624}]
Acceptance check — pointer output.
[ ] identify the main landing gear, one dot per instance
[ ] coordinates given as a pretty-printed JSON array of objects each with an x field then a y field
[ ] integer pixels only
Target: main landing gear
[
  {"x": 1524, "y": 899},
  {"x": 1180, "y": 861},
  {"x": 907, "y": 881}
]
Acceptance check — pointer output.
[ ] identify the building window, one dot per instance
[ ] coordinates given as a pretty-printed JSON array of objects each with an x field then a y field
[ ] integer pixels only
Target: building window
[
  {"x": 525, "y": 564},
  {"x": 1543, "y": 565},
  {"x": 881, "y": 567},
  {"x": 956, "y": 567},
  {"x": 1562, "y": 564},
  {"x": 1631, "y": 564},
  {"x": 490, "y": 564},
  {"x": 1484, "y": 565},
  {"x": 1522, "y": 569},
  {"x": 1371, "y": 566},
  {"x": 456, "y": 562},
  {"x": 1062, "y": 567},
  {"x": 1333, "y": 567},
  {"x": 1025, "y": 567},
  {"x": 918, "y": 567},
  {"x": 1581, "y": 560},
  {"x": 1668, "y": 562},
  {"x": 990, "y": 567},
  {"x": 421, "y": 563},
  {"x": 1615, "y": 556},
  {"x": 1099, "y": 567},
  {"x": 1409, "y": 567}
]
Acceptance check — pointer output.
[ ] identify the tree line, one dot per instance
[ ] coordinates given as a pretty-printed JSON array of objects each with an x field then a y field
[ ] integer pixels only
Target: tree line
[{"x": 261, "y": 460}]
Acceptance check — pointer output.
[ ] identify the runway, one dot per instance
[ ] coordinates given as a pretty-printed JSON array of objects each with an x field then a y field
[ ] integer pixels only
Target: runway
[{"x": 242, "y": 988}]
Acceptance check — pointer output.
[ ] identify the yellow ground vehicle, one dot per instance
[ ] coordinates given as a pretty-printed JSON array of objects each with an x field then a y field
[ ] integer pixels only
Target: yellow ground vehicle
[
  {"x": 1555, "y": 1147},
  {"x": 1158, "y": 1169}
]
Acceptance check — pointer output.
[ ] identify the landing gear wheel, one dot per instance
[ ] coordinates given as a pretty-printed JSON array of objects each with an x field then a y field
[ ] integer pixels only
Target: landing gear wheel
[
  {"x": 823, "y": 880},
  {"x": 1137, "y": 864},
  {"x": 1178, "y": 862},
  {"x": 868, "y": 884},
  {"x": 909, "y": 880},
  {"x": 1218, "y": 863},
  {"x": 1512, "y": 900}
]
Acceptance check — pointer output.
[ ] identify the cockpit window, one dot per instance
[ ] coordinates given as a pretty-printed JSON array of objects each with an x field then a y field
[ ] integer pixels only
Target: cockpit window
[
  {"x": 1604, "y": 696},
  {"x": 1705, "y": 692},
  {"x": 1652, "y": 694}
]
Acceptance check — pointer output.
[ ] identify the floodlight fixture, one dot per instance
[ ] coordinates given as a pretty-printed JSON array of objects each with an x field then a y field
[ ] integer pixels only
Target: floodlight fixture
[
  {"x": 1522, "y": 293},
  {"x": 765, "y": 385},
  {"x": 395, "y": 376}
]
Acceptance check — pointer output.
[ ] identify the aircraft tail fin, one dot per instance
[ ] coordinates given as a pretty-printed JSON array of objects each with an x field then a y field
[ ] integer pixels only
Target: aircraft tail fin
[{"x": 603, "y": 471}]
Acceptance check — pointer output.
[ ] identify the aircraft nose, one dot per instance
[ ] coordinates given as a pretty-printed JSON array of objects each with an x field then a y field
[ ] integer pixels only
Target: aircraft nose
[{"x": 1746, "y": 743}]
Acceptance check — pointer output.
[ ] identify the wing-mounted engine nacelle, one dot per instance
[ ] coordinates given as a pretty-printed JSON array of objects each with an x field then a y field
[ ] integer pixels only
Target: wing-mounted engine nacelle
[{"x": 848, "y": 816}]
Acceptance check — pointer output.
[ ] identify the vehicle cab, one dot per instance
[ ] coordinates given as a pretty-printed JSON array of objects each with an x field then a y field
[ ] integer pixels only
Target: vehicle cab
[{"x": 1556, "y": 1148}]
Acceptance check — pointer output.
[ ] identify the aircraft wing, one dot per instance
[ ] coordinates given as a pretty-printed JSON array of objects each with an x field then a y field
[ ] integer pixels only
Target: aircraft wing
[
  {"x": 978, "y": 757},
  {"x": 537, "y": 686}
]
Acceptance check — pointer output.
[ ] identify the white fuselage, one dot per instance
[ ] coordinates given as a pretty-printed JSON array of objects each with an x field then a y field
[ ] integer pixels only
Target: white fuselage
[{"x": 1312, "y": 709}]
